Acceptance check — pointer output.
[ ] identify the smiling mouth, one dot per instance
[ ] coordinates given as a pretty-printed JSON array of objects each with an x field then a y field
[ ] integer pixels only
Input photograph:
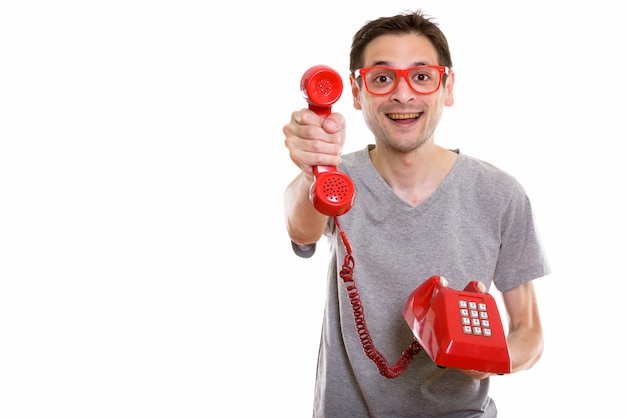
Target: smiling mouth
[{"x": 403, "y": 116}]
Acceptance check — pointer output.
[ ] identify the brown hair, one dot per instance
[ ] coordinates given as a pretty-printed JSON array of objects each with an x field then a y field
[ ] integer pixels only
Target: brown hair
[{"x": 410, "y": 22}]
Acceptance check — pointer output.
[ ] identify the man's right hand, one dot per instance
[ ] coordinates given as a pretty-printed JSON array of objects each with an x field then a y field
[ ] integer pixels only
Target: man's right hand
[{"x": 313, "y": 140}]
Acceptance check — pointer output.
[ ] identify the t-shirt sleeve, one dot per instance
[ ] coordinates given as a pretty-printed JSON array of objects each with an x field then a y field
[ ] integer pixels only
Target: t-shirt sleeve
[
  {"x": 522, "y": 256},
  {"x": 305, "y": 250}
]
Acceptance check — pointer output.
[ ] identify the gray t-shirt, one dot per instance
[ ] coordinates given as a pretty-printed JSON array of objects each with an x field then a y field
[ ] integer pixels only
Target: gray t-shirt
[{"x": 477, "y": 225}]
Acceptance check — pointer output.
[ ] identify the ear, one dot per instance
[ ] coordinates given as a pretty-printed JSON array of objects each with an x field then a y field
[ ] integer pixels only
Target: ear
[
  {"x": 448, "y": 89},
  {"x": 356, "y": 93}
]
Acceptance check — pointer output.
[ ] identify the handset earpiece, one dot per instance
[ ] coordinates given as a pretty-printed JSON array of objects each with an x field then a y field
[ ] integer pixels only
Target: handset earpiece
[{"x": 332, "y": 193}]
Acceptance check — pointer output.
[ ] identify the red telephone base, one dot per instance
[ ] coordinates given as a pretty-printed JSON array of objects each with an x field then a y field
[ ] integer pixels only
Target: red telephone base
[{"x": 458, "y": 329}]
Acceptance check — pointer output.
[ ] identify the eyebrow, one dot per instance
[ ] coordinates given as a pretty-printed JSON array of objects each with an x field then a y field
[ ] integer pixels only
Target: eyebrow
[{"x": 388, "y": 64}]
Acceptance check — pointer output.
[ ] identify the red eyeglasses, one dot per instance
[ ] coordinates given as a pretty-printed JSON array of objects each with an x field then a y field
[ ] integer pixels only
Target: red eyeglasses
[{"x": 423, "y": 79}]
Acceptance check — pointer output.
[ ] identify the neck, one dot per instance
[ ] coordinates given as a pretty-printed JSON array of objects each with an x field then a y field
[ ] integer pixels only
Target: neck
[{"x": 414, "y": 175}]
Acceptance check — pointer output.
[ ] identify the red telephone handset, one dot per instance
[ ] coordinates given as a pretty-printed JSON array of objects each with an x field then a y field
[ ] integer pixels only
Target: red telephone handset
[
  {"x": 332, "y": 193},
  {"x": 459, "y": 329}
]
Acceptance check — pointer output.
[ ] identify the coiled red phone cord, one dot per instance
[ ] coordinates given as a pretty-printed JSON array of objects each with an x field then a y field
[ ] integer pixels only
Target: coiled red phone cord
[{"x": 346, "y": 273}]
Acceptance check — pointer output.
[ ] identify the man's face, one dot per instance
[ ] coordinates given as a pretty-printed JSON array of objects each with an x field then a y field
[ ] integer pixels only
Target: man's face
[{"x": 402, "y": 120}]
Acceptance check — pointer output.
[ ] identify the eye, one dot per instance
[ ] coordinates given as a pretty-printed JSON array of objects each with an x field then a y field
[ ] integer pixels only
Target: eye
[
  {"x": 382, "y": 77},
  {"x": 421, "y": 77}
]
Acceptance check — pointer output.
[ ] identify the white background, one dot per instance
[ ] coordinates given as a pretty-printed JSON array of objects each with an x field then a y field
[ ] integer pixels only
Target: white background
[{"x": 144, "y": 266}]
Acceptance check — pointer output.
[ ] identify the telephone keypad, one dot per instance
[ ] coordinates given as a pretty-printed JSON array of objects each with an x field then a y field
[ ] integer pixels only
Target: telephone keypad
[{"x": 474, "y": 318}]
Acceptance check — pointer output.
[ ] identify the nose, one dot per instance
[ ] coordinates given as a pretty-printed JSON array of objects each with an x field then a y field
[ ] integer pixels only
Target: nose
[{"x": 403, "y": 91}]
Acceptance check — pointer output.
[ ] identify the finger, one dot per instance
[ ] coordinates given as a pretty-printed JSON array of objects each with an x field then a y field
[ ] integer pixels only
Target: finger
[
  {"x": 334, "y": 123},
  {"x": 307, "y": 117}
]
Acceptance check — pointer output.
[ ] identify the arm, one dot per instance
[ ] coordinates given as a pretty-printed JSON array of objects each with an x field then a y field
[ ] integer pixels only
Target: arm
[
  {"x": 311, "y": 140},
  {"x": 305, "y": 224},
  {"x": 525, "y": 337}
]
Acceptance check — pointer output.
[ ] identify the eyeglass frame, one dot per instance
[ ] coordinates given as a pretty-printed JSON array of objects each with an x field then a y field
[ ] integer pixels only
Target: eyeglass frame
[{"x": 362, "y": 72}]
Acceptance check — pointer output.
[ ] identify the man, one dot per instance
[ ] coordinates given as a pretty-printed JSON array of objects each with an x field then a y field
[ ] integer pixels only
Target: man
[{"x": 420, "y": 210}]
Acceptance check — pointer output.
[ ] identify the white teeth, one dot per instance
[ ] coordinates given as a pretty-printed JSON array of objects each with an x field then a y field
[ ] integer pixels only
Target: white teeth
[{"x": 403, "y": 115}]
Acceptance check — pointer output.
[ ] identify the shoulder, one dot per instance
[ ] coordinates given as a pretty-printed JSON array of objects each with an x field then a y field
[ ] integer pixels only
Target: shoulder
[
  {"x": 357, "y": 163},
  {"x": 487, "y": 174},
  {"x": 355, "y": 158}
]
